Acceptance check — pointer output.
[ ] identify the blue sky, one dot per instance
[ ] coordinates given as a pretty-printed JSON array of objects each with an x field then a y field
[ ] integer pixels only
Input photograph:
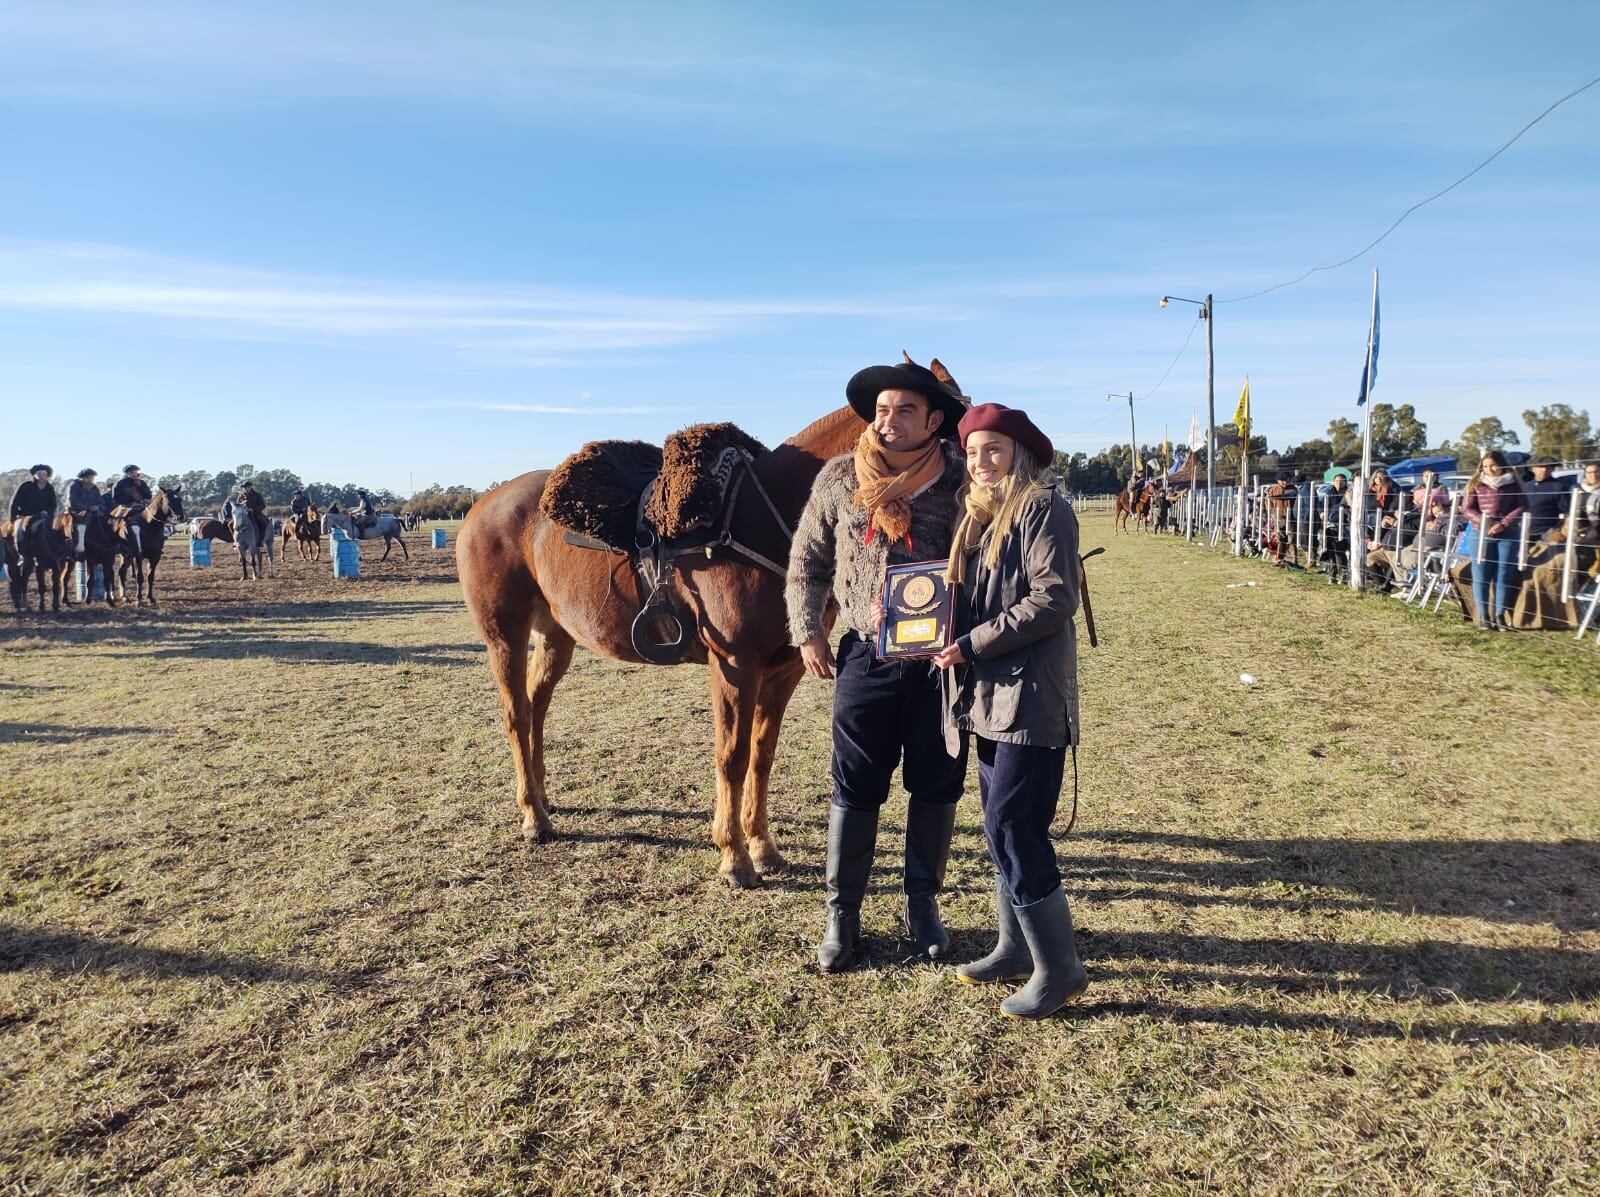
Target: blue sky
[{"x": 378, "y": 242}]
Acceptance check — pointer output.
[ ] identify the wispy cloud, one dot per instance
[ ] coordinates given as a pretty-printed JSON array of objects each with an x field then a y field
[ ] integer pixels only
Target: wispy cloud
[{"x": 509, "y": 325}]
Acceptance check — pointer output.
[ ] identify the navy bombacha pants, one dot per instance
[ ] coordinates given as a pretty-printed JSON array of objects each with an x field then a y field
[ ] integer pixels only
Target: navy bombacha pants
[
  {"x": 1020, "y": 785},
  {"x": 885, "y": 712}
]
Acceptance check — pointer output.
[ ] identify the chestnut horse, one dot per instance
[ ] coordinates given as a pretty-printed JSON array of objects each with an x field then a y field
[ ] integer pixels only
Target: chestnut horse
[
  {"x": 1140, "y": 510},
  {"x": 525, "y": 584},
  {"x": 306, "y": 531}
]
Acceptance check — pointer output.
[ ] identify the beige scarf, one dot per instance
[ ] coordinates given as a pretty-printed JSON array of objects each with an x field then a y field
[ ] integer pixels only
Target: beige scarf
[
  {"x": 981, "y": 506},
  {"x": 888, "y": 478}
]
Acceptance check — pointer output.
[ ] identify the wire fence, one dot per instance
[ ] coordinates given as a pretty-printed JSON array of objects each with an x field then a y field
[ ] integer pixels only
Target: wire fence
[{"x": 1422, "y": 558}]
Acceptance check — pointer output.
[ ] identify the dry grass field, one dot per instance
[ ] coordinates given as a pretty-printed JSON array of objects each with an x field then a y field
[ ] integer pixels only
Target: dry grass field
[{"x": 267, "y": 925}]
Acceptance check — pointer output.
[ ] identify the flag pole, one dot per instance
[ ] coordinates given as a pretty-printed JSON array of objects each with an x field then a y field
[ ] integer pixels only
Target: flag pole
[{"x": 1358, "y": 559}]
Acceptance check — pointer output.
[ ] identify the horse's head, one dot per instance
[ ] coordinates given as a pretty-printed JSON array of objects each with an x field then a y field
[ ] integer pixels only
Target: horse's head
[{"x": 174, "y": 501}]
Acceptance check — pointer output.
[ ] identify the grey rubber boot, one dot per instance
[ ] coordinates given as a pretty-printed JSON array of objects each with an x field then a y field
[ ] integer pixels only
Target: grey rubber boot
[
  {"x": 928, "y": 830},
  {"x": 1010, "y": 960},
  {"x": 1058, "y": 975},
  {"x": 852, "y": 838}
]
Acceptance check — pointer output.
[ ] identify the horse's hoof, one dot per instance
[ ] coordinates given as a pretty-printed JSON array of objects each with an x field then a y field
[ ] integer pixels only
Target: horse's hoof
[
  {"x": 743, "y": 876},
  {"x": 770, "y": 864},
  {"x": 539, "y": 835}
]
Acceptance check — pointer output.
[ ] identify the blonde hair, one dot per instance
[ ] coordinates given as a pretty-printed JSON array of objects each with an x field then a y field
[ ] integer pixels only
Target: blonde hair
[{"x": 1011, "y": 495}]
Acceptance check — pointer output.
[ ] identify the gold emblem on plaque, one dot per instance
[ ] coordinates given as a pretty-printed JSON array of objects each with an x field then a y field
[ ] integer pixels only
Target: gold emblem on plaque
[{"x": 918, "y": 593}]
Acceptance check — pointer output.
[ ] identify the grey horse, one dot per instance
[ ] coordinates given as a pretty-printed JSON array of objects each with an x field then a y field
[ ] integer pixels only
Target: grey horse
[
  {"x": 251, "y": 544},
  {"x": 386, "y": 526}
]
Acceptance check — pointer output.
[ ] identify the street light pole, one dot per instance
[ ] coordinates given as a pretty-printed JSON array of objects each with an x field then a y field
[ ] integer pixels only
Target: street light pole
[
  {"x": 1211, "y": 399},
  {"x": 1133, "y": 441},
  {"x": 1205, "y": 305}
]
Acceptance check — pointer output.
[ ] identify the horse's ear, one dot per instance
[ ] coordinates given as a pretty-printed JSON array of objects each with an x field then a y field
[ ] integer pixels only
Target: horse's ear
[
  {"x": 936, "y": 367},
  {"x": 908, "y": 359}
]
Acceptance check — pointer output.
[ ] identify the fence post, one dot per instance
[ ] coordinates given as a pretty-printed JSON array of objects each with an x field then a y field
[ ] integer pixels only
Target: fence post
[{"x": 1570, "y": 554}]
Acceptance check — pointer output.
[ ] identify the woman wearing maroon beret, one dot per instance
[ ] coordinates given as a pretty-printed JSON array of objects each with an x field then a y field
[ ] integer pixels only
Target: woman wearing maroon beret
[{"x": 1011, "y": 682}]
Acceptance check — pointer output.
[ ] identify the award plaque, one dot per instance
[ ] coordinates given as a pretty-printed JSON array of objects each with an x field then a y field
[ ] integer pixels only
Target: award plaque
[{"x": 918, "y": 610}]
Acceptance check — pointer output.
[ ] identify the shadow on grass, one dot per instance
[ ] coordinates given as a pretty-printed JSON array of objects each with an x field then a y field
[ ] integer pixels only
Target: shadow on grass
[
  {"x": 1547, "y": 1035},
  {"x": 70, "y": 951},
  {"x": 55, "y": 733},
  {"x": 1511, "y": 881}
]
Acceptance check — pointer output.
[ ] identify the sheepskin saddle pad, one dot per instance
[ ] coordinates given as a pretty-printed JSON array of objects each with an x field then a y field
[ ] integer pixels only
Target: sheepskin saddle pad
[
  {"x": 595, "y": 492},
  {"x": 697, "y": 467}
]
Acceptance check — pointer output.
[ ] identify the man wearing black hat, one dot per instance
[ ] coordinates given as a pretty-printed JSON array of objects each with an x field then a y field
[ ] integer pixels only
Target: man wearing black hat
[
  {"x": 85, "y": 504},
  {"x": 131, "y": 490},
  {"x": 891, "y": 500},
  {"x": 251, "y": 500},
  {"x": 1548, "y": 497},
  {"x": 34, "y": 495}
]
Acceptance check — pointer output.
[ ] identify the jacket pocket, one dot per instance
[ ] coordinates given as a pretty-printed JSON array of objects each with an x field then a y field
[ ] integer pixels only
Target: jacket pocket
[{"x": 997, "y": 698}]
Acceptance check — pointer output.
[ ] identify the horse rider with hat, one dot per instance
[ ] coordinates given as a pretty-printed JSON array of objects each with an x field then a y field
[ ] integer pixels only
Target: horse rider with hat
[
  {"x": 34, "y": 494},
  {"x": 891, "y": 500},
  {"x": 85, "y": 503},
  {"x": 250, "y": 499},
  {"x": 131, "y": 490}
]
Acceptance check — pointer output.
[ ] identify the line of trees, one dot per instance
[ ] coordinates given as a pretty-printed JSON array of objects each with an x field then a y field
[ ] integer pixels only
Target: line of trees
[{"x": 1556, "y": 429}]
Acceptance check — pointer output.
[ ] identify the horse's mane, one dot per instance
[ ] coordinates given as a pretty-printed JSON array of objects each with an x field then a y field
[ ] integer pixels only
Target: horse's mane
[{"x": 831, "y": 435}]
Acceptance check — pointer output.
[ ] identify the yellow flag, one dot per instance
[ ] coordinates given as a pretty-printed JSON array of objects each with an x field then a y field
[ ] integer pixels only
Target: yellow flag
[{"x": 1241, "y": 418}]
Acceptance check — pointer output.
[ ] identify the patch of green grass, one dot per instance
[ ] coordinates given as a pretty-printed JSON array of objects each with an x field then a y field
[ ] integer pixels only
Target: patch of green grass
[{"x": 267, "y": 924}]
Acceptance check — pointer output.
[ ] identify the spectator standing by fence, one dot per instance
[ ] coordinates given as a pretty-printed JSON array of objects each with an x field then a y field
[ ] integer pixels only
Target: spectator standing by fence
[
  {"x": 1493, "y": 505},
  {"x": 1547, "y": 497}
]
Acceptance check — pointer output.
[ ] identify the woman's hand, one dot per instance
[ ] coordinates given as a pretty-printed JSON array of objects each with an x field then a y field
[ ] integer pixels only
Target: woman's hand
[{"x": 949, "y": 658}]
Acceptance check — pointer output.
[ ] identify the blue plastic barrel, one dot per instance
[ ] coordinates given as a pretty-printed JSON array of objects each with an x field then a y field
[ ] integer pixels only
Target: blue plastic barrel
[
  {"x": 346, "y": 555},
  {"x": 90, "y": 590},
  {"x": 439, "y": 538},
  {"x": 199, "y": 552}
]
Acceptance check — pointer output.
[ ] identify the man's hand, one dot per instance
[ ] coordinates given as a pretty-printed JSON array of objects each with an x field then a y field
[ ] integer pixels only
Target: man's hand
[
  {"x": 818, "y": 660},
  {"x": 950, "y": 657}
]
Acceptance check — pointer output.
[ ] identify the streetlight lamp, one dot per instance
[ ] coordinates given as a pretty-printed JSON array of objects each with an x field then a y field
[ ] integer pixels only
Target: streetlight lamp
[
  {"x": 1133, "y": 442},
  {"x": 1211, "y": 389}
]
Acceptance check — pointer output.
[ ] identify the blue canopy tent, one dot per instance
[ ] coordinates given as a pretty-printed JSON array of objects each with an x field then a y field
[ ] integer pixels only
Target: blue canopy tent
[{"x": 1409, "y": 471}]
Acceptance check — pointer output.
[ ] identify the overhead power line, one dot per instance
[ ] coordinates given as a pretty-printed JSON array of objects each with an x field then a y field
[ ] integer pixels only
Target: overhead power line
[
  {"x": 1172, "y": 363},
  {"x": 1419, "y": 203}
]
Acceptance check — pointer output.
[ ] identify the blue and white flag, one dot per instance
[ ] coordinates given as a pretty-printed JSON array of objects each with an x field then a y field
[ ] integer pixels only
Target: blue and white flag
[{"x": 1368, "y": 383}]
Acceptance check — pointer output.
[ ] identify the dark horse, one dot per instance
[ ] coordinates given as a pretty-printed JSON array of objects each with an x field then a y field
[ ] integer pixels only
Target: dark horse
[
  {"x": 39, "y": 551},
  {"x": 143, "y": 534},
  {"x": 524, "y": 583},
  {"x": 92, "y": 542}
]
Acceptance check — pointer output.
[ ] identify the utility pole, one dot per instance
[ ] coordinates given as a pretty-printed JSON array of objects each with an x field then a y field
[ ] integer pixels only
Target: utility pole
[
  {"x": 1205, "y": 307},
  {"x": 1133, "y": 441},
  {"x": 1211, "y": 399}
]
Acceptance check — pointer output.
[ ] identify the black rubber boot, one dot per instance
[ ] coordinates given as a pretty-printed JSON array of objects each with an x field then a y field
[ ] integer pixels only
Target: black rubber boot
[
  {"x": 928, "y": 830},
  {"x": 852, "y": 838},
  {"x": 1058, "y": 975},
  {"x": 1010, "y": 960}
]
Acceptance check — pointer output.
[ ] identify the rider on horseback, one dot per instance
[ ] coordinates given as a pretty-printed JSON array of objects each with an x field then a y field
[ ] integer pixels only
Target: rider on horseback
[
  {"x": 34, "y": 495},
  {"x": 252, "y": 502},
  {"x": 85, "y": 504},
  {"x": 363, "y": 513},
  {"x": 131, "y": 490},
  {"x": 299, "y": 505}
]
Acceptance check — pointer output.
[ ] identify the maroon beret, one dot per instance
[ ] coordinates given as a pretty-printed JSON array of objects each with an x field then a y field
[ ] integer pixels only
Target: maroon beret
[{"x": 1008, "y": 421}]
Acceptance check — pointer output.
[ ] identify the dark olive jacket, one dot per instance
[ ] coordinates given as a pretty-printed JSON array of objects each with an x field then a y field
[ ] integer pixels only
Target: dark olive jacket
[{"x": 1020, "y": 682}]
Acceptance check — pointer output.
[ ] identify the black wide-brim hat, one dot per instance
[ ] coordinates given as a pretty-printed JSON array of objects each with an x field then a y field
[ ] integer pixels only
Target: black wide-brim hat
[{"x": 863, "y": 389}]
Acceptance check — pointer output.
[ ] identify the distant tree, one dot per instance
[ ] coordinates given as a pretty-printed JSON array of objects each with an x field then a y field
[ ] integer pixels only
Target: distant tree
[
  {"x": 224, "y": 486},
  {"x": 1396, "y": 431},
  {"x": 1482, "y": 435},
  {"x": 277, "y": 487},
  {"x": 1344, "y": 437},
  {"x": 1316, "y": 452},
  {"x": 1561, "y": 432}
]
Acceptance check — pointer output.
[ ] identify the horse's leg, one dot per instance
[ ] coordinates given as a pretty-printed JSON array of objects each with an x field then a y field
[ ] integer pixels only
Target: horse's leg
[
  {"x": 154, "y": 561},
  {"x": 506, "y": 635},
  {"x": 734, "y": 687},
  {"x": 552, "y": 654},
  {"x": 401, "y": 542},
  {"x": 777, "y": 687}
]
